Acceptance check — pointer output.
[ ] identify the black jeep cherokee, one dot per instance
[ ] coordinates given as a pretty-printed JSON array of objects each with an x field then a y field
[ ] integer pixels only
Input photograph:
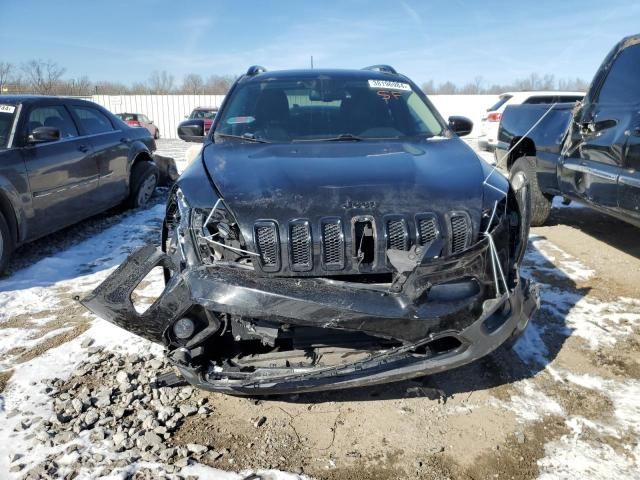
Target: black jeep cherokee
[{"x": 334, "y": 232}]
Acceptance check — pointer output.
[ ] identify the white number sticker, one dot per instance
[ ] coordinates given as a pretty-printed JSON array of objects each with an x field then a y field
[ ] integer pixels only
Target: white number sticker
[
  {"x": 7, "y": 108},
  {"x": 389, "y": 85}
]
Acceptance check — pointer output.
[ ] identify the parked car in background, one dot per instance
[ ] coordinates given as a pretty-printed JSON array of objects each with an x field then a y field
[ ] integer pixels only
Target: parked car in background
[
  {"x": 205, "y": 113},
  {"x": 491, "y": 121},
  {"x": 588, "y": 152},
  {"x": 333, "y": 232},
  {"x": 63, "y": 160},
  {"x": 140, "y": 120}
]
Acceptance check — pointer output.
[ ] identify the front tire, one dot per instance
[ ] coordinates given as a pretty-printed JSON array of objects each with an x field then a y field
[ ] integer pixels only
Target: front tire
[
  {"x": 144, "y": 179},
  {"x": 540, "y": 203},
  {"x": 7, "y": 244}
]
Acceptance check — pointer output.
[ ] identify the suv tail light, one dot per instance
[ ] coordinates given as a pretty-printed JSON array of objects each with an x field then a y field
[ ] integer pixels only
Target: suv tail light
[
  {"x": 133, "y": 123},
  {"x": 494, "y": 117}
]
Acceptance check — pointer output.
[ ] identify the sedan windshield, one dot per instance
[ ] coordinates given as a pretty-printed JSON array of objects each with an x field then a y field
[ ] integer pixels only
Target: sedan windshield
[
  {"x": 6, "y": 122},
  {"x": 325, "y": 108},
  {"x": 204, "y": 114}
]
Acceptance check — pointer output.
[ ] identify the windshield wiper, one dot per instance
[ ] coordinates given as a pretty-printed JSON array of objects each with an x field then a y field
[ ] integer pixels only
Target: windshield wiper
[
  {"x": 240, "y": 137},
  {"x": 343, "y": 137}
]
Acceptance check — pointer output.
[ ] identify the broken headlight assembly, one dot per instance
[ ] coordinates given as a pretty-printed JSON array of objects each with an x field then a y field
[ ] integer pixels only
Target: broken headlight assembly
[
  {"x": 217, "y": 236},
  {"x": 213, "y": 232}
]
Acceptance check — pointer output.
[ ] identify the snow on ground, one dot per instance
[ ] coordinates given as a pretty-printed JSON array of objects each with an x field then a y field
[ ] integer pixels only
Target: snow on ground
[
  {"x": 47, "y": 286},
  {"x": 577, "y": 454}
]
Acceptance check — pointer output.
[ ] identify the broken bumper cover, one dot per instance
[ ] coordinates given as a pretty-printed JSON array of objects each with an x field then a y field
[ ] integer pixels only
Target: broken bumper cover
[{"x": 479, "y": 325}]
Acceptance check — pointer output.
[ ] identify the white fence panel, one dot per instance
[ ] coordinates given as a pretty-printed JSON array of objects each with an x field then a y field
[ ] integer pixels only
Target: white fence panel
[{"x": 166, "y": 111}]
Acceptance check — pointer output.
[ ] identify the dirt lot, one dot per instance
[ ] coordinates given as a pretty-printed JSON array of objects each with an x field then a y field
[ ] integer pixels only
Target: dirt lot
[{"x": 562, "y": 404}]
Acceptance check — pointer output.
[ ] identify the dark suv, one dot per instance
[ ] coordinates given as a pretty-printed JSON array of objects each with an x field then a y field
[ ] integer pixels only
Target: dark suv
[
  {"x": 63, "y": 160},
  {"x": 589, "y": 151},
  {"x": 334, "y": 231}
]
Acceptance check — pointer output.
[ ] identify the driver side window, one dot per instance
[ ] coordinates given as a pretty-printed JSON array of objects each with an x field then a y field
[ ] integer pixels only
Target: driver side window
[
  {"x": 52, "y": 116},
  {"x": 621, "y": 85}
]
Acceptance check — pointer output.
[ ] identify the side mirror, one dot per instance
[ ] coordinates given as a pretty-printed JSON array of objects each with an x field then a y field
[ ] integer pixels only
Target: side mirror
[
  {"x": 44, "y": 134},
  {"x": 460, "y": 125},
  {"x": 192, "y": 131},
  {"x": 150, "y": 122}
]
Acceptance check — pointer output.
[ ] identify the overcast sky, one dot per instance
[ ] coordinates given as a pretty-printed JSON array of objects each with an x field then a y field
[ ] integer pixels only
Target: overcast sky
[{"x": 448, "y": 40}]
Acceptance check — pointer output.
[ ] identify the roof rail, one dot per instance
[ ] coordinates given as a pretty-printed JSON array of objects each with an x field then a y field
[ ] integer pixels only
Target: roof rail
[
  {"x": 255, "y": 70},
  {"x": 382, "y": 68}
]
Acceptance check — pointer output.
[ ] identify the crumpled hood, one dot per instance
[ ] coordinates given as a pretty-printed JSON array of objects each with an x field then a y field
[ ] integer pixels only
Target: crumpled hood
[{"x": 310, "y": 180}]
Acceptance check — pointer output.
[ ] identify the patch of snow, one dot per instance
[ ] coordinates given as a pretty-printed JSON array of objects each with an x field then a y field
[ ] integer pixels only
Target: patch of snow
[
  {"x": 598, "y": 323},
  {"x": 531, "y": 347},
  {"x": 581, "y": 453},
  {"x": 203, "y": 472},
  {"x": 545, "y": 256},
  {"x": 531, "y": 404},
  {"x": 24, "y": 338},
  {"x": 571, "y": 458}
]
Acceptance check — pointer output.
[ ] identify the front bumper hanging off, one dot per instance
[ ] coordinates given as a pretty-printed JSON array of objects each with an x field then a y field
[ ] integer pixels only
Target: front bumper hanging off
[{"x": 451, "y": 309}]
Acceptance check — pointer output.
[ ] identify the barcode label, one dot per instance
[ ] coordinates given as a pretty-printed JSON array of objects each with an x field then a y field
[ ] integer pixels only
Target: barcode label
[{"x": 389, "y": 85}]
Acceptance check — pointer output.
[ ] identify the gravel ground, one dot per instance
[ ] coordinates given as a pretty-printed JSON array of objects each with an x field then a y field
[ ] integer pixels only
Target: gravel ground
[{"x": 76, "y": 399}]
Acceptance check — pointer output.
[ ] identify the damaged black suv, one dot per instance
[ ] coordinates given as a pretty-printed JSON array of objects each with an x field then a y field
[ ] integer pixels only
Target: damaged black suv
[{"x": 333, "y": 232}]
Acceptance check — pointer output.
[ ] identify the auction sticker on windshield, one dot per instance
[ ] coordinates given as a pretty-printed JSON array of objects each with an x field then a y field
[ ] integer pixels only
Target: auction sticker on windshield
[
  {"x": 7, "y": 108},
  {"x": 389, "y": 85}
]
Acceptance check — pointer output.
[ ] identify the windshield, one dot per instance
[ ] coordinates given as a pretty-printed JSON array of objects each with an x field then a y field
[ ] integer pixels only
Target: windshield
[
  {"x": 203, "y": 114},
  {"x": 7, "y": 113},
  {"x": 127, "y": 117},
  {"x": 503, "y": 99},
  {"x": 325, "y": 108}
]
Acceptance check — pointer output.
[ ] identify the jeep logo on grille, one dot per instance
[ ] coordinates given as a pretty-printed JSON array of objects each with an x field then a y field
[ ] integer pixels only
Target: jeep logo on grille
[{"x": 358, "y": 204}]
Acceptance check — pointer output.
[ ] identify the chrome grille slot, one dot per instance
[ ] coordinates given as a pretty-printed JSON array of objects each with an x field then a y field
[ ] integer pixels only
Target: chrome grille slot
[
  {"x": 397, "y": 234},
  {"x": 332, "y": 245},
  {"x": 460, "y": 233},
  {"x": 300, "y": 245},
  {"x": 268, "y": 245},
  {"x": 427, "y": 230}
]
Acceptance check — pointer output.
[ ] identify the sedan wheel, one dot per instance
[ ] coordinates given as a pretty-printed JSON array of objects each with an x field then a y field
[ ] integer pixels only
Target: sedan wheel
[
  {"x": 146, "y": 190},
  {"x": 144, "y": 178},
  {"x": 7, "y": 243}
]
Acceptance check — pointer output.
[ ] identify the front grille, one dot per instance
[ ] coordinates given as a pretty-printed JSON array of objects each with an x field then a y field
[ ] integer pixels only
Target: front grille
[
  {"x": 300, "y": 245},
  {"x": 427, "y": 230},
  {"x": 266, "y": 238},
  {"x": 460, "y": 233},
  {"x": 397, "y": 235},
  {"x": 332, "y": 245},
  {"x": 312, "y": 249}
]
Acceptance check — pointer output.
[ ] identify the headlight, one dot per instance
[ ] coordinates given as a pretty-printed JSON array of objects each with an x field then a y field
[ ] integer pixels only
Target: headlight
[
  {"x": 207, "y": 235},
  {"x": 217, "y": 236}
]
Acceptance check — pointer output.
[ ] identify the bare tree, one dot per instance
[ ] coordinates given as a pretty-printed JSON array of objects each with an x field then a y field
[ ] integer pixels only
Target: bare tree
[
  {"x": 141, "y": 88},
  {"x": 42, "y": 76},
  {"x": 447, "y": 88},
  {"x": 110, "y": 88},
  {"x": 193, "y": 84},
  {"x": 5, "y": 73},
  {"x": 81, "y": 86},
  {"x": 161, "y": 82},
  {"x": 573, "y": 84},
  {"x": 428, "y": 87},
  {"x": 218, "y": 85}
]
